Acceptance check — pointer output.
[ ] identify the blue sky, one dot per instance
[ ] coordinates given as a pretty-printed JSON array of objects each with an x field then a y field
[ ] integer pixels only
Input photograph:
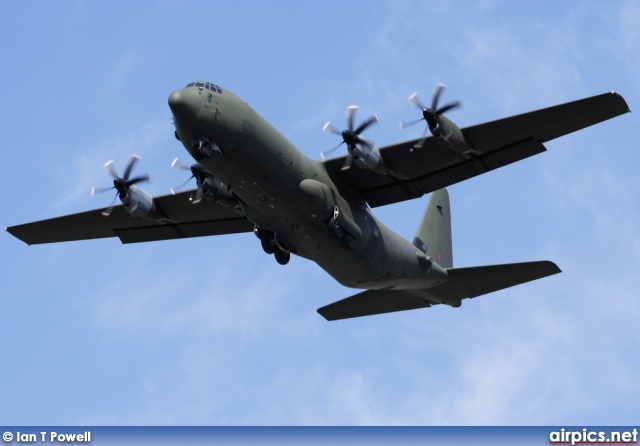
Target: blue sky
[{"x": 212, "y": 331}]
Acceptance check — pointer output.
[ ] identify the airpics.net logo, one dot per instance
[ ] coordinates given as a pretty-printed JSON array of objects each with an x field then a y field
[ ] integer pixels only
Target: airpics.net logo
[{"x": 586, "y": 436}]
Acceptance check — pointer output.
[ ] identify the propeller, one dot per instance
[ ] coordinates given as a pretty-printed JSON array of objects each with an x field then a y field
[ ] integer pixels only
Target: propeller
[
  {"x": 350, "y": 137},
  {"x": 198, "y": 172},
  {"x": 430, "y": 114},
  {"x": 121, "y": 184}
]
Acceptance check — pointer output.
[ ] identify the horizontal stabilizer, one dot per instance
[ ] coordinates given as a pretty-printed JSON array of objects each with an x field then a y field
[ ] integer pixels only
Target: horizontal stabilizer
[
  {"x": 373, "y": 302},
  {"x": 463, "y": 283}
]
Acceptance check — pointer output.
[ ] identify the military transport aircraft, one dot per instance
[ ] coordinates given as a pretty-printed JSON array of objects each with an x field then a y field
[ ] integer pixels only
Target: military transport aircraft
[{"x": 250, "y": 178}]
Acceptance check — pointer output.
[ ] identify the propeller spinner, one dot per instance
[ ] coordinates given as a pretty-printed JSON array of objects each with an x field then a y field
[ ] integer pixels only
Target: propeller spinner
[
  {"x": 351, "y": 137},
  {"x": 198, "y": 172},
  {"x": 430, "y": 114},
  {"x": 121, "y": 184}
]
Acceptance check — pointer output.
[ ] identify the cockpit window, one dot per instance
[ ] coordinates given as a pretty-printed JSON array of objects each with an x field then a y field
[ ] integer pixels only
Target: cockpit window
[{"x": 202, "y": 85}]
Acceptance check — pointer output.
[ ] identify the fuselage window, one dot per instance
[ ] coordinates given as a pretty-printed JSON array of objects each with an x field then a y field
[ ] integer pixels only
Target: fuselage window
[{"x": 190, "y": 85}]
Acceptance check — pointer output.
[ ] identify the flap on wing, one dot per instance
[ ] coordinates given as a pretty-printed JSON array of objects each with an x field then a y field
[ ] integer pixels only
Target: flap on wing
[
  {"x": 460, "y": 168},
  {"x": 205, "y": 218},
  {"x": 184, "y": 230},
  {"x": 498, "y": 143}
]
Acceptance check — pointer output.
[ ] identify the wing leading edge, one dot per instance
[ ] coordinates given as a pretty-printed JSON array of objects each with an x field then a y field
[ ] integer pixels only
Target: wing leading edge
[
  {"x": 497, "y": 143},
  {"x": 205, "y": 218},
  {"x": 463, "y": 283}
]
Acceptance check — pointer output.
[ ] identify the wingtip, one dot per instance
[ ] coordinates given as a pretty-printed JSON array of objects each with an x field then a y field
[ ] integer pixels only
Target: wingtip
[
  {"x": 552, "y": 268},
  {"x": 8, "y": 229},
  {"x": 615, "y": 93},
  {"x": 319, "y": 311}
]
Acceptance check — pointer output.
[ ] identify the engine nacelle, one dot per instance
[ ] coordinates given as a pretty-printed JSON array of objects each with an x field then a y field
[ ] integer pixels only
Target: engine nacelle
[
  {"x": 450, "y": 135},
  {"x": 366, "y": 157},
  {"x": 369, "y": 158},
  {"x": 139, "y": 203},
  {"x": 213, "y": 189}
]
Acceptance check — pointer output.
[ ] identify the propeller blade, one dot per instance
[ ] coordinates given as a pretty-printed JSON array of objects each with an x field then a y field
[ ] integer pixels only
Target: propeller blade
[
  {"x": 326, "y": 153},
  {"x": 200, "y": 172},
  {"x": 198, "y": 196},
  {"x": 99, "y": 190},
  {"x": 413, "y": 99},
  {"x": 436, "y": 95},
  {"x": 329, "y": 129},
  {"x": 370, "y": 120},
  {"x": 351, "y": 111},
  {"x": 138, "y": 179},
  {"x": 121, "y": 185},
  {"x": 177, "y": 165},
  {"x": 130, "y": 164},
  {"x": 406, "y": 125},
  {"x": 448, "y": 107},
  {"x": 108, "y": 210},
  {"x": 179, "y": 187},
  {"x": 431, "y": 115},
  {"x": 422, "y": 139},
  {"x": 366, "y": 142},
  {"x": 350, "y": 137},
  {"x": 108, "y": 166},
  {"x": 347, "y": 162}
]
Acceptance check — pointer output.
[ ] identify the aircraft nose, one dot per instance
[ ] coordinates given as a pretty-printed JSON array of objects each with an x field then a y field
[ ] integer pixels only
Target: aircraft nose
[{"x": 184, "y": 105}]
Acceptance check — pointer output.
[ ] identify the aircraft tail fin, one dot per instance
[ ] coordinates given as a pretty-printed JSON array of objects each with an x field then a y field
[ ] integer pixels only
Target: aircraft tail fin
[
  {"x": 463, "y": 283},
  {"x": 434, "y": 234}
]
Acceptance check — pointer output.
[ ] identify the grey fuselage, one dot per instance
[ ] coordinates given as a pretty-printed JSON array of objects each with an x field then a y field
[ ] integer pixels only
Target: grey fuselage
[{"x": 281, "y": 190}]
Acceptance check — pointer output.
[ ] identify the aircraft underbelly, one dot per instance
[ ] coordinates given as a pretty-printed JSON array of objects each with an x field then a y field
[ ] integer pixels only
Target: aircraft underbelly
[
  {"x": 262, "y": 170},
  {"x": 269, "y": 204}
]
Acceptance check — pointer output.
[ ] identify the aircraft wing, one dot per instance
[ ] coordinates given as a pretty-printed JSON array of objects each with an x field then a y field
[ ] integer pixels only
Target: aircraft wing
[
  {"x": 463, "y": 283},
  {"x": 498, "y": 144},
  {"x": 189, "y": 220}
]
